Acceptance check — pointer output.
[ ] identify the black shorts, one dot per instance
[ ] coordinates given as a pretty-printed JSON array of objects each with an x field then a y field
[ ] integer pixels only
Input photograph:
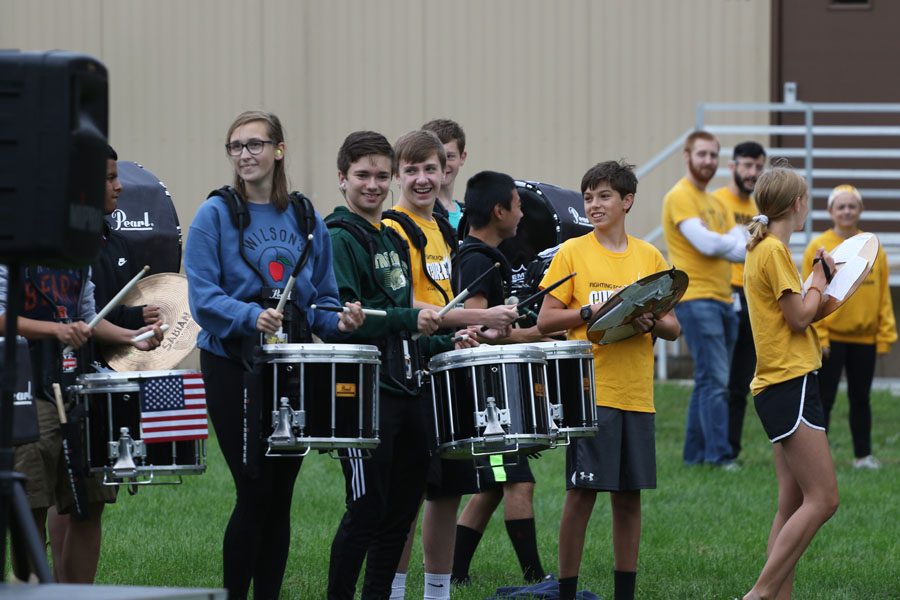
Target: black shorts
[
  {"x": 450, "y": 477},
  {"x": 497, "y": 470},
  {"x": 620, "y": 458},
  {"x": 782, "y": 406}
]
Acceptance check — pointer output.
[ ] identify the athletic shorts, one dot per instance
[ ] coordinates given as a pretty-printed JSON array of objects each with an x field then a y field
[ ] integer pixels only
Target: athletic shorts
[
  {"x": 620, "y": 458},
  {"x": 782, "y": 406},
  {"x": 44, "y": 467},
  {"x": 496, "y": 470},
  {"x": 450, "y": 477}
]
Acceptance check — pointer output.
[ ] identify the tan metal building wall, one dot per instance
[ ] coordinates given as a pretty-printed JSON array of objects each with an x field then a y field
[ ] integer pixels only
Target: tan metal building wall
[{"x": 544, "y": 89}]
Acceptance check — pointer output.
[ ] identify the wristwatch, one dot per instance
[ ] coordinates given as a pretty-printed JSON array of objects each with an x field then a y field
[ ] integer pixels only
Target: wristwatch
[{"x": 586, "y": 313}]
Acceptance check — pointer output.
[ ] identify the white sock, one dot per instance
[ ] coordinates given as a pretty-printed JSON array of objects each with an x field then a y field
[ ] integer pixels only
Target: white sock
[
  {"x": 437, "y": 586},
  {"x": 398, "y": 586}
]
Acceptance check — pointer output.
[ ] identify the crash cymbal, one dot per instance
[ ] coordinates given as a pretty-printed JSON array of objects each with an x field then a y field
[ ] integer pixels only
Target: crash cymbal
[
  {"x": 657, "y": 293},
  {"x": 169, "y": 291}
]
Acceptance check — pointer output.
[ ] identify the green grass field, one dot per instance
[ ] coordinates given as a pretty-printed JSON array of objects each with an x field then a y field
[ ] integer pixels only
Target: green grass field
[{"x": 704, "y": 530}]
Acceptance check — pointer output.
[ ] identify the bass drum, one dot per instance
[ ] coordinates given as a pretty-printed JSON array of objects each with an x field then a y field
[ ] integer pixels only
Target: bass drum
[
  {"x": 147, "y": 220},
  {"x": 550, "y": 216}
]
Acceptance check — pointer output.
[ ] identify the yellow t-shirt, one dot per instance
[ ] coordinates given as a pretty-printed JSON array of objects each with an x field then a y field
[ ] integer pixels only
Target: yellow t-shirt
[
  {"x": 868, "y": 316},
  {"x": 710, "y": 276},
  {"x": 741, "y": 211},
  {"x": 781, "y": 354},
  {"x": 437, "y": 260},
  {"x": 623, "y": 372}
]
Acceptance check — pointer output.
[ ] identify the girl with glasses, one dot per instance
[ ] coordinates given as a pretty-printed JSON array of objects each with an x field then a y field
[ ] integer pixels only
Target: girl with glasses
[{"x": 243, "y": 240}]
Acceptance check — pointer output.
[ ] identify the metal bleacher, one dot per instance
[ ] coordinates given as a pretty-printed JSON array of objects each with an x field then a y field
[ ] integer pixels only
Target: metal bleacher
[{"x": 831, "y": 143}]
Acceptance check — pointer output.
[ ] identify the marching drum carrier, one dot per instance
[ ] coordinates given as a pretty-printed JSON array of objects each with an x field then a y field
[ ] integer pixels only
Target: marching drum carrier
[
  {"x": 324, "y": 397},
  {"x": 140, "y": 425}
]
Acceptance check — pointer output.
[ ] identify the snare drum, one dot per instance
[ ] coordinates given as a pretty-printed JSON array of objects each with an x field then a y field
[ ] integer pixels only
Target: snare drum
[
  {"x": 142, "y": 424},
  {"x": 570, "y": 381},
  {"x": 490, "y": 400},
  {"x": 324, "y": 396}
]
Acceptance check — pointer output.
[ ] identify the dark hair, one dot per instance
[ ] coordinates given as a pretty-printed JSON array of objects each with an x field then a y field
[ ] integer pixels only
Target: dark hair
[
  {"x": 618, "y": 174},
  {"x": 280, "y": 194},
  {"x": 417, "y": 146},
  {"x": 447, "y": 131},
  {"x": 363, "y": 143},
  {"x": 748, "y": 150},
  {"x": 110, "y": 153},
  {"x": 484, "y": 190},
  {"x": 699, "y": 134}
]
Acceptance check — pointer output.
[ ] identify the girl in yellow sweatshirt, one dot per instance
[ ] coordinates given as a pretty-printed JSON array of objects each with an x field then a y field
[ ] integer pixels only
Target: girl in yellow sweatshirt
[{"x": 860, "y": 328}]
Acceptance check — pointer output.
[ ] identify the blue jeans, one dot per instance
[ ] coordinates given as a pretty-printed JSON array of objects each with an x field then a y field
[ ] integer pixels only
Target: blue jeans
[{"x": 710, "y": 330}]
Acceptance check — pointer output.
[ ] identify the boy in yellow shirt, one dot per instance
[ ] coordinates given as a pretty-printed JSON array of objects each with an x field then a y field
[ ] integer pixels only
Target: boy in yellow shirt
[
  {"x": 421, "y": 161},
  {"x": 621, "y": 459},
  {"x": 861, "y": 328}
]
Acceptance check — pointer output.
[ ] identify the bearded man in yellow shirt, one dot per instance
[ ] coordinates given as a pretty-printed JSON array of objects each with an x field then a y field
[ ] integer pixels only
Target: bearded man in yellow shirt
[
  {"x": 746, "y": 165},
  {"x": 703, "y": 241}
]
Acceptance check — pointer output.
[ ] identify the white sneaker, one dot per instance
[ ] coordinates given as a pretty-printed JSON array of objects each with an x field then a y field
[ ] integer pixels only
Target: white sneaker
[{"x": 867, "y": 462}]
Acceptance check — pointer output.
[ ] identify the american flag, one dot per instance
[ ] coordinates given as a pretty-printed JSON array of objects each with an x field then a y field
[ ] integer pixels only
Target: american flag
[{"x": 173, "y": 408}]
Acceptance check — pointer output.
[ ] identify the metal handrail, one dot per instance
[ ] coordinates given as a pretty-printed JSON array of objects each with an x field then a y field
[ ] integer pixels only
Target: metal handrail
[{"x": 808, "y": 152}]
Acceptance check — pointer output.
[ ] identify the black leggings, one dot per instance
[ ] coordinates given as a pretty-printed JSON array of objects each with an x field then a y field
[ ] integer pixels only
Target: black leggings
[
  {"x": 257, "y": 537},
  {"x": 859, "y": 359},
  {"x": 383, "y": 495}
]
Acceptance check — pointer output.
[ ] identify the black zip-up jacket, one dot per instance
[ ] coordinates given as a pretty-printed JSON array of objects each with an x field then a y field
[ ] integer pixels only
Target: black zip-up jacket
[{"x": 110, "y": 272}]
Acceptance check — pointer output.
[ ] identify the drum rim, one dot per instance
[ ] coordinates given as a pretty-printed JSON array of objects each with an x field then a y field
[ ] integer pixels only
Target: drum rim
[
  {"x": 130, "y": 376},
  {"x": 566, "y": 348},
  {"x": 480, "y": 355},
  {"x": 303, "y": 352}
]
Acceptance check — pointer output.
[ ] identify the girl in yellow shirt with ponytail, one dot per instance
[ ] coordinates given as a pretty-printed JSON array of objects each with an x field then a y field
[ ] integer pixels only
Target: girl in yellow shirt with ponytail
[{"x": 785, "y": 387}]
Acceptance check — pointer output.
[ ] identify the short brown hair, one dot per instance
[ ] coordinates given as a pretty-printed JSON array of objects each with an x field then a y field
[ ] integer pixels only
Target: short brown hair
[
  {"x": 417, "y": 146},
  {"x": 699, "y": 134},
  {"x": 360, "y": 144},
  {"x": 447, "y": 130}
]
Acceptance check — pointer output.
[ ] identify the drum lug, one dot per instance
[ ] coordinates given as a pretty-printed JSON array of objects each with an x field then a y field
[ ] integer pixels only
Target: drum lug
[
  {"x": 556, "y": 414},
  {"x": 123, "y": 452},
  {"x": 492, "y": 418},
  {"x": 282, "y": 425}
]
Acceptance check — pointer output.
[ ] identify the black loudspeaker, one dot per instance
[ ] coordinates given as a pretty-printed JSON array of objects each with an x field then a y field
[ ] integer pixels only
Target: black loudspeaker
[{"x": 53, "y": 125}]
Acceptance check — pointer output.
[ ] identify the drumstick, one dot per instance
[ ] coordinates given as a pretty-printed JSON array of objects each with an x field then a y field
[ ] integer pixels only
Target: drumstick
[
  {"x": 149, "y": 334},
  {"x": 371, "y": 312},
  {"x": 293, "y": 278},
  {"x": 465, "y": 293},
  {"x": 537, "y": 295},
  {"x": 117, "y": 299},
  {"x": 461, "y": 296},
  {"x": 460, "y": 338}
]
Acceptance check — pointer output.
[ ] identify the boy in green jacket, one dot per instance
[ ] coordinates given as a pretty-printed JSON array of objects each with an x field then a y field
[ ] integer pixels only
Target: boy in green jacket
[{"x": 371, "y": 264}]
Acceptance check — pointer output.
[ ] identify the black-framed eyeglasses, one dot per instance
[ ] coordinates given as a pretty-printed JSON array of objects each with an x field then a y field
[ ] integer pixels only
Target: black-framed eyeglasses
[{"x": 253, "y": 147}]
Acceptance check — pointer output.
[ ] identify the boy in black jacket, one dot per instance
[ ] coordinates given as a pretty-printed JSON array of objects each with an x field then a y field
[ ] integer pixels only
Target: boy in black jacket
[{"x": 371, "y": 265}]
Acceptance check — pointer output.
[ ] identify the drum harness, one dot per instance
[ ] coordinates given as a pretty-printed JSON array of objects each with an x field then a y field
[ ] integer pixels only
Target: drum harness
[
  {"x": 417, "y": 238},
  {"x": 411, "y": 378},
  {"x": 247, "y": 349}
]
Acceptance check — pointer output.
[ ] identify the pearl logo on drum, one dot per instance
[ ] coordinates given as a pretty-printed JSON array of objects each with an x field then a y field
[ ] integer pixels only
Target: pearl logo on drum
[{"x": 121, "y": 222}]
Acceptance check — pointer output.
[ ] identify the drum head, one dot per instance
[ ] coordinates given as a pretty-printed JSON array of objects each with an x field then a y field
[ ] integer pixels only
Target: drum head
[
  {"x": 854, "y": 259},
  {"x": 482, "y": 355},
  {"x": 657, "y": 294},
  {"x": 146, "y": 218}
]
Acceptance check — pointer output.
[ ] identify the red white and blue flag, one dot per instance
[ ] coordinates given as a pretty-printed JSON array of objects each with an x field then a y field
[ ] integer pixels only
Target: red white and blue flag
[{"x": 173, "y": 408}]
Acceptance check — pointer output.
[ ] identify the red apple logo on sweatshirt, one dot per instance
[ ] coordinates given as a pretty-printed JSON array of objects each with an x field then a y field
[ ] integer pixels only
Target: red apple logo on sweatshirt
[{"x": 277, "y": 268}]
